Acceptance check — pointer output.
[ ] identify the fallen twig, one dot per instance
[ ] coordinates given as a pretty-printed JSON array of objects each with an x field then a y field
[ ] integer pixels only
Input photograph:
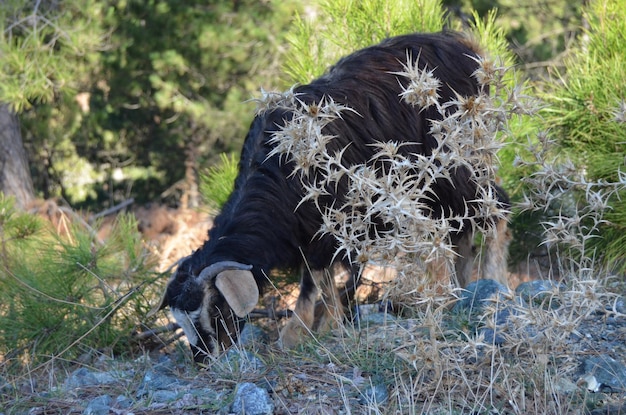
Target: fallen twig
[
  {"x": 156, "y": 331},
  {"x": 112, "y": 209}
]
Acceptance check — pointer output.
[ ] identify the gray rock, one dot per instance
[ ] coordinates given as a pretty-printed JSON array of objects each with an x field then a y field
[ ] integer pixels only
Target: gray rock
[
  {"x": 123, "y": 402},
  {"x": 619, "y": 305},
  {"x": 479, "y": 294},
  {"x": 164, "y": 396},
  {"x": 203, "y": 397},
  {"x": 541, "y": 293},
  {"x": 5, "y": 387},
  {"x": 494, "y": 336},
  {"x": 83, "y": 377},
  {"x": 252, "y": 400},
  {"x": 376, "y": 319},
  {"x": 165, "y": 365},
  {"x": 153, "y": 381},
  {"x": 376, "y": 393},
  {"x": 564, "y": 385},
  {"x": 99, "y": 406},
  {"x": 238, "y": 360},
  {"x": 604, "y": 374},
  {"x": 362, "y": 312},
  {"x": 251, "y": 335}
]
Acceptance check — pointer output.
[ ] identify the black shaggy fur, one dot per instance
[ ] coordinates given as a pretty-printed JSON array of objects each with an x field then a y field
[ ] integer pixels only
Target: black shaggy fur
[{"x": 260, "y": 225}]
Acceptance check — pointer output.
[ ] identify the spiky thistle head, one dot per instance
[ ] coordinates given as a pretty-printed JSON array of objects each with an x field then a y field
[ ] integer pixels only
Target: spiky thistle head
[{"x": 422, "y": 90}]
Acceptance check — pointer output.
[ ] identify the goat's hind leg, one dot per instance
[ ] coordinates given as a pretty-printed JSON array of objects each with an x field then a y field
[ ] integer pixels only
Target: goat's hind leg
[
  {"x": 463, "y": 247},
  {"x": 494, "y": 262}
]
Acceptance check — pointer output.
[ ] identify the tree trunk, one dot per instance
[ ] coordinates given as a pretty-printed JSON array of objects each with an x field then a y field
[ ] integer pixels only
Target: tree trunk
[{"x": 15, "y": 177}]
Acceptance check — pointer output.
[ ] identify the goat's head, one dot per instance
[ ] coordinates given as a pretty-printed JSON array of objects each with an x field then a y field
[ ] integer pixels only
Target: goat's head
[{"x": 210, "y": 306}]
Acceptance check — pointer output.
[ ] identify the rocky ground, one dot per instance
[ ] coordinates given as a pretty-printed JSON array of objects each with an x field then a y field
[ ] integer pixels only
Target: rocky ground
[{"x": 546, "y": 348}]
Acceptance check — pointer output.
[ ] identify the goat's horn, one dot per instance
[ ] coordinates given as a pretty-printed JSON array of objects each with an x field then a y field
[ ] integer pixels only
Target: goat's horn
[{"x": 212, "y": 270}]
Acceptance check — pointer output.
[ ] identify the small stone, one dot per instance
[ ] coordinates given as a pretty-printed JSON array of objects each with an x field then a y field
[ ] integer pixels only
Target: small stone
[
  {"x": 494, "y": 336},
  {"x": 123, "y": 402},
  {"x": 608, "y": 373},
  {"x": 188, "y": 400},
  {"x": 376, "y": 319},
  {"x": 479, "y": 294},
  {"x": 540, "y": 293},
  {"x": 83, "y": 377},
  {"x": 590, "y": 383},
  {"x": 165, "y": 365},
  {"x": 238, "y": 360},
  {"x": 153, "y": 381},
  {"x": 374, "y": 394},
  {"x": 476, "y": 298},
  {"x": 251, "y": 335},
  {"x": 252, "y": 400},
  {"x": 99, "y": 406},
  {"x": 5, "y": 387},
  {"x": 164, "y": 396},
  {"x": 564, "y": 385}
]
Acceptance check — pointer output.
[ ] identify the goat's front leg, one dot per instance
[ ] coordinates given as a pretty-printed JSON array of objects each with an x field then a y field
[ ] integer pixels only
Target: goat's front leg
[
  {"x": 332, "y": 308},
  {"x": 301, "y": 323}
]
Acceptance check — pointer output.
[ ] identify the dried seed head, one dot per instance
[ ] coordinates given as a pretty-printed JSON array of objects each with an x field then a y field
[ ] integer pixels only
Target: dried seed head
[{"x": 422, "y": 89}]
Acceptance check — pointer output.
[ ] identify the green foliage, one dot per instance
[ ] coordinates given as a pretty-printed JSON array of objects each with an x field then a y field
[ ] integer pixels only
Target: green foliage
[
  {"x": 166, "y": 94},
  {"x": 585, "y": 102},
  {"x": 64, "y": 295},
  {"x": 48, "y": 51},
  {"x": 343, "y": 26},
  {"x": 46, "y": 47},
  {"x": 217, "y": 182},
  {"x": 491, "y": 36},
  {"x": 537, "y": 32},
  {"x": 586, "y": 112}
]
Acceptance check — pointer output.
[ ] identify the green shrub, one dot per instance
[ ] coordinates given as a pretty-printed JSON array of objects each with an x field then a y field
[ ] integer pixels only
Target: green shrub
[
  {"x": 65, "y": 294},
  {"x": 217, "y": 182},
  {"x": 343, "y": 26},
  {"x": 586, "y": 113}
]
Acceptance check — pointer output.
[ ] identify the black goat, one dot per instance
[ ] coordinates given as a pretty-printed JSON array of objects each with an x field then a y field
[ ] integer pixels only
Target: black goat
[{"x": 264, "y": 225}]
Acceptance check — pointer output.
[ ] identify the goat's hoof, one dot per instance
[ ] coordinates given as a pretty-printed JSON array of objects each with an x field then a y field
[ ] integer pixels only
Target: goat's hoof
[{"x": 292, "y": 334}]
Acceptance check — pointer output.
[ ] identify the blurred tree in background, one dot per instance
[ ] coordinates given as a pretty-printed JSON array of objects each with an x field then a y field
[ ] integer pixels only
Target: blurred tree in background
[
  {"x": 336, "y": 28},
  {"x": 142, "y": 92},
  {"x": 123, "y": 98},
  {"x": 47, "y": 50},
  {"x": 172, "y": 91},
  {"x": 539, "y": 32}
]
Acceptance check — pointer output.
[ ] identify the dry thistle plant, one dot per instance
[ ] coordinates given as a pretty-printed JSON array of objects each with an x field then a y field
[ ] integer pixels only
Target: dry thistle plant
[
  {"x": 394, "y": 188},
  {"x": 575, "y": 204},
  {"x": 575, "y": 207},
  {"x": 541, "y": 334}
]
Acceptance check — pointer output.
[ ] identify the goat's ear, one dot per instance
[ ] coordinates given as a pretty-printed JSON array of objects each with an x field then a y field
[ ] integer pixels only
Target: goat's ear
[{"x": 239, "y": 289}]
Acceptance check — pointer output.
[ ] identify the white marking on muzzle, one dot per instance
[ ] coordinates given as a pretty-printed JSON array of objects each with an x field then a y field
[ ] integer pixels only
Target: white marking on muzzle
[{"x": 185, "y": 320}]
